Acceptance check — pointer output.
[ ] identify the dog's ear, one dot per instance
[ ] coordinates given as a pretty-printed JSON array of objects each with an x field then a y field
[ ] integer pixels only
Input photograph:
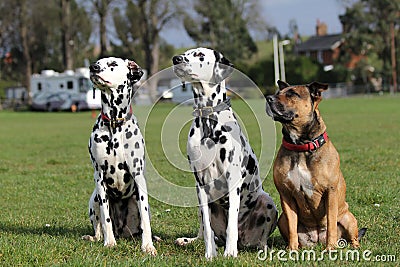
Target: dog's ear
[
  {"x": 316, "y": 89},
  {"x": 135, "y": 72},
  {"x": 223, "y": 67},
  {"x": 282, "y": 84}
]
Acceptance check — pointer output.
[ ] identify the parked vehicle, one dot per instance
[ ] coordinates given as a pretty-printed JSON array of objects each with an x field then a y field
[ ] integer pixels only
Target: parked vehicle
[{"x": 70, "y": 90}]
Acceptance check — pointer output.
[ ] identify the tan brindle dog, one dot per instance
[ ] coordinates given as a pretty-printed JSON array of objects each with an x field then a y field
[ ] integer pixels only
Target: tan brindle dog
[{"x": 307, "y": 173}]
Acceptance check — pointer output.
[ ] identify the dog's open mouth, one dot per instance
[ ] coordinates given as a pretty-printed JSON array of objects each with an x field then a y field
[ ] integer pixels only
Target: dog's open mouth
[
  {"x": 184, "y": 73},
  {"x": 98, "y": 81},
  {"x": 278, "y": 115}
]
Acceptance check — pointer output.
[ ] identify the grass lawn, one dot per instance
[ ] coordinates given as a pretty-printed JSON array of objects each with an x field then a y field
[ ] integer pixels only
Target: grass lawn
[{"x": 46, "y": 182}]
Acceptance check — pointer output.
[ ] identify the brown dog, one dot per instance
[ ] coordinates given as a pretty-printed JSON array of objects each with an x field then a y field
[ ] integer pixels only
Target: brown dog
[{"x": 307, "y": 174}]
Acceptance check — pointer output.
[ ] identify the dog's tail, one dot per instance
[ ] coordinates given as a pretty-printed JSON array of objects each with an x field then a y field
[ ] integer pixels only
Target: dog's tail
[{"x": 361, "y": 233}]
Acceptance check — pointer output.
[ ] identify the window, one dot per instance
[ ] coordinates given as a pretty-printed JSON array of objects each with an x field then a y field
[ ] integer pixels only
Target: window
[
  {"x": 70, "y": 85},
  {"x": 39, "y": 86},
  {"x": 84, "y": 85}
]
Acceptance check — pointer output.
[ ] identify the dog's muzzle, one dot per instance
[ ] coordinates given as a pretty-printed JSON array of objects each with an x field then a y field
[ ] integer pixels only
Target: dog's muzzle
[{"x": 276, "y": 110}]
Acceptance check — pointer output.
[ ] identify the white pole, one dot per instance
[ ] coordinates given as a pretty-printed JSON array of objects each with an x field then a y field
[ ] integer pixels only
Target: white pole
[
  {"x": 282, "y": 62},
  {"x": 276, "y": 63}
]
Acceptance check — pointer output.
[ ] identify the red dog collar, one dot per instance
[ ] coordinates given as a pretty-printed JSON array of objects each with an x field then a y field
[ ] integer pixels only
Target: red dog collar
[
  {"x": 116, "y": 122},
  {"x": 311, "y": 146}
]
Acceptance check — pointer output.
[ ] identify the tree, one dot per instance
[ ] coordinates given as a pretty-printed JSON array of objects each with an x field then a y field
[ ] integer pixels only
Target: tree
[
  {"x": 139, "y": 26},
  {"x": 367, "y": 28},
  {"x": 22, "y": 15},
  {"x": 66, "y": 34},
  {"x": 31, "y": 33},
  {"x": 101, "y": 8},
  {"x": 223, "y": 25}
]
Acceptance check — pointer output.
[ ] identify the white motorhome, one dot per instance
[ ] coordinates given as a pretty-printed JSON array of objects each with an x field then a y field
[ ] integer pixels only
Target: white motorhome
[
  {"x": 181, "y": 94},
  {"x": 70, "y": 90}
]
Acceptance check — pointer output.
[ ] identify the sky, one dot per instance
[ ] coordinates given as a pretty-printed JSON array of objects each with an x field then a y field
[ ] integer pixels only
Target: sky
[{"x": 278, "y": 13}]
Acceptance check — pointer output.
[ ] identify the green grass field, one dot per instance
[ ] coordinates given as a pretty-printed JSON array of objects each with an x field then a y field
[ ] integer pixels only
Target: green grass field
[{"x": 46, "y": 182}]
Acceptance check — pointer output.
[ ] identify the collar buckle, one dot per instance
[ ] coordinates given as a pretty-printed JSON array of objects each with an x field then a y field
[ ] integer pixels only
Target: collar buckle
[{"x": 208, "y": 110}]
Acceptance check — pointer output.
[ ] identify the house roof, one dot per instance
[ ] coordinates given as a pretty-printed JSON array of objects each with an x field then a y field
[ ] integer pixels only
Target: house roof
[{"x": 317, "y": 43}]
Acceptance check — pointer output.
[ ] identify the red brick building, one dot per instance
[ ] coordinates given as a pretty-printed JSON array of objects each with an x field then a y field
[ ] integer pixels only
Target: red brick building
[{"x": 322, "y": 47}]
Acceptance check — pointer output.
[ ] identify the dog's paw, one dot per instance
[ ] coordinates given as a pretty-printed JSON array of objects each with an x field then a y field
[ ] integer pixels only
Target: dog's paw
[
  {"x": 183, "y": 241},
  {"x": 157, "y": 238},
  {"x": 90, "y": 238},
  {"x": 212, "y": 254},
  {"x": 293, "y": 246},
  {"x": 230, "y": 252},
  {"x": 330, "y": 247},
  {"x": 149, "y": 249},
  {"x": 110, "y": 244}
]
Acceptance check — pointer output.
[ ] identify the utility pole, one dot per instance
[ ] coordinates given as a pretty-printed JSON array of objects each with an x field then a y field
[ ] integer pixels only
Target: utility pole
[{"x": 276, "y": 60}]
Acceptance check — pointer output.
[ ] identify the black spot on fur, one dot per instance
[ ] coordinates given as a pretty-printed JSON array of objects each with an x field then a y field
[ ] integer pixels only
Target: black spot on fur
[
  {"x": 230, "y": 156},
  {"x": 226, "y": 128},
  {"x": 242, "y": 141},
  {"x": 260, "y": 220},
  {"x": 112, "y": 169},
  {"x": 127, "y": 178},
  {"x": 222, "y": 153},
  {"x": 218, "y": 184},
  {"x": 105, "y": 138},
  {"x": 222, "y": 139},
  {"x": 251, "y": 164}
]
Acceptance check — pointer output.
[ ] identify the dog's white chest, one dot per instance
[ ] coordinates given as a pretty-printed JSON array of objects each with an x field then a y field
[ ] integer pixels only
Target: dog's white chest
[{"x": 300, "y": 177}]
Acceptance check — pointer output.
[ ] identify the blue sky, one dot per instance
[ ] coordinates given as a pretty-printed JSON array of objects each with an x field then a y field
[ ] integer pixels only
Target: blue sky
[{"x": 278, "y": 13}]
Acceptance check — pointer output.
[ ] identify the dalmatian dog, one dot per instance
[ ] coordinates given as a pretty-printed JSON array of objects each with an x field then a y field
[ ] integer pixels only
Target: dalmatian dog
[
  {"x": 119, "y": 204},
  {"x": 234, "y": 211}
]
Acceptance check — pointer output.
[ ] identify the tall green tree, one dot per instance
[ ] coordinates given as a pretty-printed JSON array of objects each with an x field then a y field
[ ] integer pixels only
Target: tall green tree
[
  {"x": 32, "y": 32},
  {"x": 222, "y": 25},
  {"x": 367, "y": 29},
  {"x": 101, "y": 9},
  {"x": 138, "y": 27}
]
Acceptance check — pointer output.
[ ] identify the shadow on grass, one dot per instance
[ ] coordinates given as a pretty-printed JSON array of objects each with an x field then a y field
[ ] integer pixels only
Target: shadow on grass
[{"x": 66, "y": 231}]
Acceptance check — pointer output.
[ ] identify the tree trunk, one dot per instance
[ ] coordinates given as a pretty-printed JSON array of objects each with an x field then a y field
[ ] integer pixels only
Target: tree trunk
[
  {"x": 393, "y": 57},
  {"x": 67, "y": 42},
  {"x": 155, "y": 57},
  {"x": 103, "y": 33},
  {"x": 25, "y": 47}
]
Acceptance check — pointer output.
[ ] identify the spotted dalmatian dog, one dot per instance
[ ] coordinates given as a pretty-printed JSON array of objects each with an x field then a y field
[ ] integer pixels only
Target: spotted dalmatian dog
[
  {"x": 234, "y": 211},
  {"x": 119, "y": 204}
]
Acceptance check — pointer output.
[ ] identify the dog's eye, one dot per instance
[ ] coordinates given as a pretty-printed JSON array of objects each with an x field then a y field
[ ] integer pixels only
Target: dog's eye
[
  {"x": 199, "y": 54},
  {"x": 112, "y": 64},
  {"x": 292, "y": 93}
]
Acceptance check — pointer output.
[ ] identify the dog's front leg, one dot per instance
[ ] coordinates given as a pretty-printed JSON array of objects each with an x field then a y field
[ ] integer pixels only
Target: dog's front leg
[
  {"x": 233, "y": 213},
  {"x": 290, "y": 214},
  {"x": 106, "y": 222},
  {"x": 332, "y": 215},
  {"x": 94, "y": 215},
  {"x": 209, "y": 241},
  {"x": 143, "y": 205}
]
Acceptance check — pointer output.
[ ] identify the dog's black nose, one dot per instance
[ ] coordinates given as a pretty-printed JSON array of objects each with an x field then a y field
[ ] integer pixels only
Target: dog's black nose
[
  {"x": 177, "y": 60},
  {"x": 94, "y": 67}
]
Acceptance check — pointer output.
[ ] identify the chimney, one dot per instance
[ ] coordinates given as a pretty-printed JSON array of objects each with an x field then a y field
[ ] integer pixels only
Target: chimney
[{"x": 321, "y": 28}]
